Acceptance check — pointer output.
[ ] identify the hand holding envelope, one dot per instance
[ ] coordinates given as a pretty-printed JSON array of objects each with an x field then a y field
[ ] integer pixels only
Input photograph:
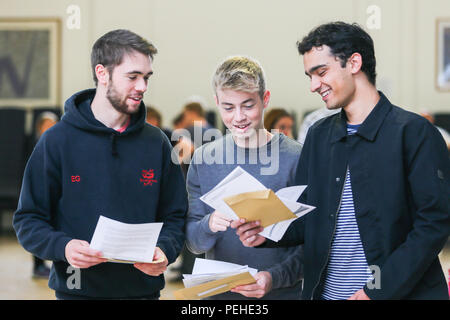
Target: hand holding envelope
[
  {"x": 240, "y": 195},
  {"x": 219, "y": 221},
  {"x": 211, "y": 277},
  {"x": 258, "y": 289}
]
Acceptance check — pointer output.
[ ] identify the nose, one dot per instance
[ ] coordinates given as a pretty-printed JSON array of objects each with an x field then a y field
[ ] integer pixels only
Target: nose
[
  {"x": 239, "y": 115},
  {"x": 141, "y": 85},
  {"x": 315, "y": 84}
]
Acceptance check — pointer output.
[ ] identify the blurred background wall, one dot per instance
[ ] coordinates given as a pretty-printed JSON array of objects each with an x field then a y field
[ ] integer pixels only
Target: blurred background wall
[{"x": 194, "y": 36}]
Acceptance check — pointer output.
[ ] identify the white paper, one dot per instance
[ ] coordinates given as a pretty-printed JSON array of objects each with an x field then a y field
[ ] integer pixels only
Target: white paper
[
  {"x": 276, "y": 231},
  {"x": 240, "y": 181},
  {"x": 292, "y": 193},
  {"x": 123, "y": 241},
  {"x": 215, "y": 266},
  {"x": 206, "y": 270}
]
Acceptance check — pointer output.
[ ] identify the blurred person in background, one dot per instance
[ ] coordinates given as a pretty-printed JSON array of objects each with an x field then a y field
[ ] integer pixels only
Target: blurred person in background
[{"x": 279, "y": 119}]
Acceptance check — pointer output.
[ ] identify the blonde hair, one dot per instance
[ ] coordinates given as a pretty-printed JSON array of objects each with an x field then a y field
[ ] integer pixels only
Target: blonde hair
[{"x": 240, "y": 73}]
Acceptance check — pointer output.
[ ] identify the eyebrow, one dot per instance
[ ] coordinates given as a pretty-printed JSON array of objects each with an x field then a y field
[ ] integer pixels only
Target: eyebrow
[
  {"x": 230, "y": 104},
  {"x": 139, "y": 72},
  {"x": 314, "y": 69}
]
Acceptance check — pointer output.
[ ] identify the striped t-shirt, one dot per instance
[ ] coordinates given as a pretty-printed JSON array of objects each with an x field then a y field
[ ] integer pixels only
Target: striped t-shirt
[{"x": 347, "y": 270}]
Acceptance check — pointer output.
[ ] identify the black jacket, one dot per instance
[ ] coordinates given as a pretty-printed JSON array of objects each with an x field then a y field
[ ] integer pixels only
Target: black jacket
[
  {"x": 80, "y": 170},
  {"x": 400, "y": 180}
]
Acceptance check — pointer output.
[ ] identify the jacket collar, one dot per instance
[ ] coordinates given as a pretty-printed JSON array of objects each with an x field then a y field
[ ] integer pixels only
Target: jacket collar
[{"x": 369, "y": 128}]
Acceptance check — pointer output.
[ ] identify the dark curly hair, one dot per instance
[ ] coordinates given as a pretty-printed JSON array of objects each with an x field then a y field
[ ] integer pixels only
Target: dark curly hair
[{"x": 343, "y": 39}]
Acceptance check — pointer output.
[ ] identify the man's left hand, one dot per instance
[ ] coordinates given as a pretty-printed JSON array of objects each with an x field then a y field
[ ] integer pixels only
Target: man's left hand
[
  {"x": 154, "y": 269},
  {"x": 256, "y": 290}
]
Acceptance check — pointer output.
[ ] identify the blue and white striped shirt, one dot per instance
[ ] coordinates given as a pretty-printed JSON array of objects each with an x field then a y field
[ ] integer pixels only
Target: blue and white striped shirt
[{"x": 347, "y": 270}]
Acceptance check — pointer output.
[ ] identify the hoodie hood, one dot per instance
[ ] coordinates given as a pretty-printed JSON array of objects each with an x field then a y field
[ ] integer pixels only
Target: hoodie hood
[{"x": 78, "y": 113}]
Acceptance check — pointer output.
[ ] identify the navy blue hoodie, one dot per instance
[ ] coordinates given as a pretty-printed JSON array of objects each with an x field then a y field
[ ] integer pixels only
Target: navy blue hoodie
[{"x": 81, "y": 169}]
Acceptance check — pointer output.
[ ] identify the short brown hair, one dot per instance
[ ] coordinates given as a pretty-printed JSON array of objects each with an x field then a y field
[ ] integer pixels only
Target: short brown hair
[{"x": 110, "y": 49}]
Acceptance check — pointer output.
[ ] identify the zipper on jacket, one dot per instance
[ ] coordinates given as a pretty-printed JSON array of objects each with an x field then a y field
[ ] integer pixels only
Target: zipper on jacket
[{"x": 332, "y": 236}]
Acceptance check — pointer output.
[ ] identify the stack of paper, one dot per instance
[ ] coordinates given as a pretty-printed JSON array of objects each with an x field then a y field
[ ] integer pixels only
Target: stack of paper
[
  {"x": 211, "y": 277},
  {"x": 240, "y": 195},
  {"x": 209, "y": 270},
  {"x": 126, "y": 243}
]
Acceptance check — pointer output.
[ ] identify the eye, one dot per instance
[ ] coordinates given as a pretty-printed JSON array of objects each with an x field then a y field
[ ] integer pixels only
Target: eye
[
  {"x": 227, "y": 108},
  {"x": 249, "y": 106},
  {"x": 322, "y": 72},
  {"x": 132, "y": 77}
]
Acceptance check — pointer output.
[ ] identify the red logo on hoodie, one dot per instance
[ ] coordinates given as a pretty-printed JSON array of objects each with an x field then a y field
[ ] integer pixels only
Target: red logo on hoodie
[{"x": 147, "y": 177}]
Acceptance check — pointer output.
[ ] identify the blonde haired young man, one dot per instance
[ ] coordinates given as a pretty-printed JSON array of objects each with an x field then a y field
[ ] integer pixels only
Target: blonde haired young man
[{"x": 241, "y": 98}]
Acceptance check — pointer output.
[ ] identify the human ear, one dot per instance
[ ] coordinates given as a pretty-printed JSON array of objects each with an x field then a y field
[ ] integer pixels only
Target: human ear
[
  {"x": 266, "y": 98},
  {"x": 102, "y": 74},
  {"x": 355, "y": 62}
]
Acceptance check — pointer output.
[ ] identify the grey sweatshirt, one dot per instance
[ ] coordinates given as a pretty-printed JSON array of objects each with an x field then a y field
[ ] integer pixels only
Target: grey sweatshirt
[{"x": 274, "y": 165}]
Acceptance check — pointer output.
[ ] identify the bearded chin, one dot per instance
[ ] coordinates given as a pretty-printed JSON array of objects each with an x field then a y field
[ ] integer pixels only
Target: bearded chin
[{"x": 117, "y": 104}]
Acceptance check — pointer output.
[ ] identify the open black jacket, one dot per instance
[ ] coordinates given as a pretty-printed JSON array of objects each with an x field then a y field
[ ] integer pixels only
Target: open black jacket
[{"x": 400, "y": 180}]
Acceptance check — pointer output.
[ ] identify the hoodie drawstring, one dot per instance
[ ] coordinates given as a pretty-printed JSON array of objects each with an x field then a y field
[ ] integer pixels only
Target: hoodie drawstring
[{"x": 113, "y": 145}]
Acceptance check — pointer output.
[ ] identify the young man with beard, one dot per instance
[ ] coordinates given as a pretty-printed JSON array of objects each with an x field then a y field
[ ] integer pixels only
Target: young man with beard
[
  {"x": 378, "y": 176},
  {"x": 241, "y": 98},
  {"x": 98, "y": 161}
]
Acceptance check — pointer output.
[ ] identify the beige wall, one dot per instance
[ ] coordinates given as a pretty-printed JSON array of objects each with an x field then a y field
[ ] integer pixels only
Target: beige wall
[{"x": 194, "y": 36}]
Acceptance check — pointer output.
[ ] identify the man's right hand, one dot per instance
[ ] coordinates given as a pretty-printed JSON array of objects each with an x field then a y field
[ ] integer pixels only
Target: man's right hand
[
  {"x": 218, "y": 221},
  {"x": 80, "y": 255},
  {"x": 248, "y": 232}
]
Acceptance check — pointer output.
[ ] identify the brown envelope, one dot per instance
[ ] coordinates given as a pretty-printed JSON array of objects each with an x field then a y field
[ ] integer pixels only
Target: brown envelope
[
  {"x": 263, "y": 205},
  {"x": 214, "y": 287}
]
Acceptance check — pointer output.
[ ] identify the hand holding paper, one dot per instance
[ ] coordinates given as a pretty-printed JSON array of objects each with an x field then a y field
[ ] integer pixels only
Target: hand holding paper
[
  {"x": 256, "y": 290},
  {"x": 80, "y": 255},
  {"x": 240, "y": 195},
  {"x": 211, "y": 277},
  {"x": 126, "y": 243},
  {"x": 157, "y": 267},
  {"x": 249, "y": 232},
  {"x": 219, "y": 221}
]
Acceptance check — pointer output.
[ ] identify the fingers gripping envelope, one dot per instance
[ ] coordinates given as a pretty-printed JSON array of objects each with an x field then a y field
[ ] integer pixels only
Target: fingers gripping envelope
[
  {"x": 212, "y": 277},
  {"x": 240, "y": 195}
]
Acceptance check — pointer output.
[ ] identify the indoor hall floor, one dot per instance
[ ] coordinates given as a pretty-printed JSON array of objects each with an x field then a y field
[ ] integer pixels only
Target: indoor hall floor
[{"x": 17, "y": 284}]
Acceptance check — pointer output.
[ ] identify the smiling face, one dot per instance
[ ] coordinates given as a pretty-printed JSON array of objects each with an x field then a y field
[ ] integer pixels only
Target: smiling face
[
  {"x": 334, "y": 83},
  {"x": 128, "y": 82},
  {"x": 242, "y": 112}
]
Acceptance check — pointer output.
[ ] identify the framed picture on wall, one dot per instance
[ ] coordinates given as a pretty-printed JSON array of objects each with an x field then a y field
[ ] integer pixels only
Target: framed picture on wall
[
  {"x": 30, "y": 62},
  {"x": 443, "y": 54}
]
